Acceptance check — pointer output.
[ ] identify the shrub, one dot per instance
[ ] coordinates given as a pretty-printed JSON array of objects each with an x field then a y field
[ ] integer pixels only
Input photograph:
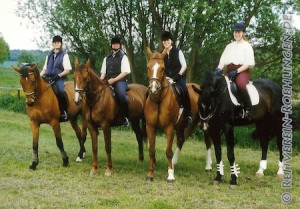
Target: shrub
[{"x": 12, "y": 103}]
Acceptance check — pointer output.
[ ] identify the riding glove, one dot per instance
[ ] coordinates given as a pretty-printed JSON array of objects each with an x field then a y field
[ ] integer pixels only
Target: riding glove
[
  {"x": 232, "y": 74},
  {"x": 55, "y": 78},
  {"x": 218, "y": 72}
]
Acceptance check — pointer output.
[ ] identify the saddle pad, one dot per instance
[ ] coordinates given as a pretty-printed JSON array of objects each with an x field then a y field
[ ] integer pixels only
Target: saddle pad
[
  {"x": 253, "y": 93},
  {"x": 232, "y": 97}
]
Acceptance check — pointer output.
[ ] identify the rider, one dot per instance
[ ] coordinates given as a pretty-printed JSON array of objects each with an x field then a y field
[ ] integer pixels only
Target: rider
[
  {"x": 175, "y": 65},
  {"x": 115, "y": 68},
  {"x": 238, "y": 58},
  {"x": 56, "y": 68}
]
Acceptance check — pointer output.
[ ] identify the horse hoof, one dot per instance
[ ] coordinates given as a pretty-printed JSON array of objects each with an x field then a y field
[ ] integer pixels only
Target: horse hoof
[
  {"x": 280, "y": 176},
  {"x": 170, "y": 180},
  {"x": 78, "y": 159},
  {"x": 91, "y": 174},
  {"x": 208, "y": 170},
  {"x": 107, "y": 174},
  {"x": 33, "y": 166},
  {"x": 232, "y": 186},
  {"x": 149, "y": 179},
  {"x": 259, "y": 175},
  {"x": 216, "y": 183}
]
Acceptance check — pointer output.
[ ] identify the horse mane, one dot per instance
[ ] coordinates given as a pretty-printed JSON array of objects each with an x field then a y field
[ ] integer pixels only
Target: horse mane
[
  {"x": 208, "y": 80},
  {"x": 24, "y": 70}
]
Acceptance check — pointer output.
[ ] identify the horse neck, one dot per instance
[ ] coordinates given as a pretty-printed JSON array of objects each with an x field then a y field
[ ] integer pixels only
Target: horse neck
[
  {"x": 95, "y": 82},
  {"x": 43, "y": 86}
]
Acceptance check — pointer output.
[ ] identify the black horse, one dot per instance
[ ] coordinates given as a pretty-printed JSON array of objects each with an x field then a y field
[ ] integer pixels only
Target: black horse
[{"x": 217, "y": 110}]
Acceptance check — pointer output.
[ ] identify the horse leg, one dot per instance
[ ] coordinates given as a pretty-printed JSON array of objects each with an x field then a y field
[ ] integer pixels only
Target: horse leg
[
  {"x": 94, "y": 136},
  {"x": 169, "y": 153},
  {"x": 139, "y": 137},
  {"x": 151, "y": 137},
  {"x": 264, "y": 143},
  {"x": 107, "y": 141},
  {"x": 207, "y": 140},
  {"x": 79, "y": 135},
  {"x": 180, "y": 142},
  {"x": 59, "y": 143},
  {"x": 229, "y": 135},
  {"x": 216, "y": 136},
  {"x": 35, "y": 145}
]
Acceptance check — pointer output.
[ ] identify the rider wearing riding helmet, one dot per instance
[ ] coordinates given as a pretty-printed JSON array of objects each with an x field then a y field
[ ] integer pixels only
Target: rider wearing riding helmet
[
  {"x": 115, "y": 68},
  {"x": 57, "y": 66},
  {"x": 175, "y": 67},
  {"x": 237, "y": 59}
]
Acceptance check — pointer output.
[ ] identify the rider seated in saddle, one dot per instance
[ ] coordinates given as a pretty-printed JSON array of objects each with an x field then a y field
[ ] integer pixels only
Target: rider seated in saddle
[
  {"x": 115, "y": 68},
  {"x": 238, "y": 58},
  {"x": 175, "y": 66},
  {"x": 56, "y": 68}
]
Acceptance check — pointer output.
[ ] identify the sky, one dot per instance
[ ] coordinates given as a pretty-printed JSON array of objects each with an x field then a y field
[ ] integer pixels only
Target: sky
[{"x": 19, "y": 36}]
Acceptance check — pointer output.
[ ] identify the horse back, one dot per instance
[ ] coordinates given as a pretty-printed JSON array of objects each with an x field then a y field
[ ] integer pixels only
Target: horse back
[
  {"x": 136, "y": 98},
  {"x": 269, "y": 92}
]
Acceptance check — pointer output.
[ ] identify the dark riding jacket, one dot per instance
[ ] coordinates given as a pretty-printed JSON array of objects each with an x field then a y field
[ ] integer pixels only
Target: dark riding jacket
[
  {"x": 172, "y": 63},
  {"x": 113, "y": 65},
  {"x": 55, "y": 62}
]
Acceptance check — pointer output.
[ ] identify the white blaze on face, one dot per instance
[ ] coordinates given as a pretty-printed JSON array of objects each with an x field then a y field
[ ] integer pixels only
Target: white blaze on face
[{"x": 154, "y": 75}]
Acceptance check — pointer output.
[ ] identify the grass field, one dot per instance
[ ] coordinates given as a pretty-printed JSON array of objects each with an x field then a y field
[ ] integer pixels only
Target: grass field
[{"x": 53, "y": 186}]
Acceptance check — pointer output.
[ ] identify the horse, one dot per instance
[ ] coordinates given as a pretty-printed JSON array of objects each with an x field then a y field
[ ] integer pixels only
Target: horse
[
  {"x": 162, "y": 111},
  {"x": 100, "y": 110},
  {"x": 219, "y": 112},
  {"x": 42, "y": 108}
]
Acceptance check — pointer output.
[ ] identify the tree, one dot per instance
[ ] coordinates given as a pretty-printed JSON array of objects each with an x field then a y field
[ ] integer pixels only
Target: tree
[
  {"x": 4, "y": 50},
  {"x": 201, "y": 28},
  {"x": 26, "y": 57}
]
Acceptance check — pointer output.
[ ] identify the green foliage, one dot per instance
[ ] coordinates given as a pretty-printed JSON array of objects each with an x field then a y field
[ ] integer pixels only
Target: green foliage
[
  {"x": 4, "y": 50},
  {"x": 12, "y": 103},
  {"x": 25, "y": 57}
]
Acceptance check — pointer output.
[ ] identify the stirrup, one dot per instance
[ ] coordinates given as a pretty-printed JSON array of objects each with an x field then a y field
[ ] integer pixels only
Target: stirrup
[
  {"x": 189, "y": 120},
  {"x": 64, "y": 116},
  {"x": 126, "y": 123}
]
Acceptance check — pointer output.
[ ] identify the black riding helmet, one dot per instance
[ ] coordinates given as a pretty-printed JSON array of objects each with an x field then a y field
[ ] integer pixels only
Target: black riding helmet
[
  {"x": 115, "y": 39},
  {"x": 166, "y": 35},
  {"x": 57, "y": 39},
  {"x": 239, "y": 27}
]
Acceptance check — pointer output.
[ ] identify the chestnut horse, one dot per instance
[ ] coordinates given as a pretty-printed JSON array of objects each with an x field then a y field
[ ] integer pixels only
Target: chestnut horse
[
  {"x": 100, "y": 110},
  {"x": 162, "y": 111},
  {"x": 42, "y": 107},
  {"x": 218, "y": 110}
]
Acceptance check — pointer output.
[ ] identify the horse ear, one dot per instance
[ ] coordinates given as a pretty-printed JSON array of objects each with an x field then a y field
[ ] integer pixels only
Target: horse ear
[
  {"x": 149, "y": 51},
  {"x": 88, "y": 63},
  {"x": 16, "y": 69},
  {"x": 76, "y": 62}
]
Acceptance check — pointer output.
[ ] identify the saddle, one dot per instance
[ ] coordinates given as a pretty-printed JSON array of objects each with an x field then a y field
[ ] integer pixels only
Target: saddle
[{"x": 233, "y": 92}]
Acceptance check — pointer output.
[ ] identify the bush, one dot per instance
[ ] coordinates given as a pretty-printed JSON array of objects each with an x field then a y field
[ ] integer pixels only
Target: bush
[{"x": 12, "y": 103}]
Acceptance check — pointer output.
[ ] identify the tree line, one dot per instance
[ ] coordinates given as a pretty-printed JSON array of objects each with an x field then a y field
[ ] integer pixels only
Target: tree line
[{"x": 201, "y": 28}]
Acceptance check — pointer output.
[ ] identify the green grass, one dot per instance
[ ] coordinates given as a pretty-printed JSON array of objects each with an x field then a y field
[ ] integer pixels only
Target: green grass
[{"x": 53, "y": 186}]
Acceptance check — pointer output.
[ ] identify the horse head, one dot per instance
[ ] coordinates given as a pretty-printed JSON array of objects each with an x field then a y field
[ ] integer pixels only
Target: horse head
[
  {"x": 28, "y": 80},
  {"x": 210, "y": 95},
  {"x": 156, "y": 70}
]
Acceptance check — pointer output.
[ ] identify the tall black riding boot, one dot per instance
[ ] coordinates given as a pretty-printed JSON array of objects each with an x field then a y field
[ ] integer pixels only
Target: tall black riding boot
[
  {"x": 246, "y": 103},
  {"x": 124, "y": 113},
  {"x": 187, "y": 108},
  {"x": 63, "y": 106}
]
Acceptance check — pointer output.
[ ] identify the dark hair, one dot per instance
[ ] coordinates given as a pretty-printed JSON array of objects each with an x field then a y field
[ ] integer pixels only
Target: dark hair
[
  {"x": 239, "y": 26},
  {"x": 166, "y": 35},
  {"x": 115, "y": 39},
  {"x": 57, "y": 39}
]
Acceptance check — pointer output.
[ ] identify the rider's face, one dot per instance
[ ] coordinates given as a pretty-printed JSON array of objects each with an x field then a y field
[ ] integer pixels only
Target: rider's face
[
  {"x": 238, "y": 35},
  {"x": 167, "y": 43}
]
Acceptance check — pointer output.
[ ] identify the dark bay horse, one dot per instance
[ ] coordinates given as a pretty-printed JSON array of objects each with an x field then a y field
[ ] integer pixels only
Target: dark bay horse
[
  {"x": 162, "y": 111},
  {"x": 217, "y": 109},
  {"x": 42, "y": 107},
  {"x": 100, "y": 110}
]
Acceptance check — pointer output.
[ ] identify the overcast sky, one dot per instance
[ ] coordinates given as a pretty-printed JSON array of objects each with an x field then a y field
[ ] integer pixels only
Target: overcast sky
[{"x": 18, "y": 36}]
